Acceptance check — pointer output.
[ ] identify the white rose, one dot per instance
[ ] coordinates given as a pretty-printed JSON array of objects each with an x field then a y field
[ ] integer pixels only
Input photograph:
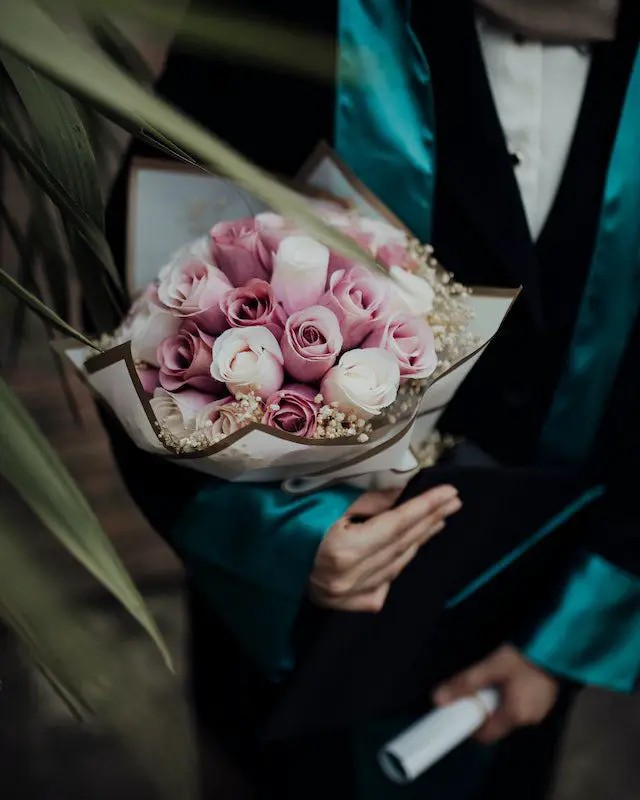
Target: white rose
[
  {"x": 219, "y": 418},
  {"x": 299, "y": 272},
  {"x": 199, "y": 248},
  {"x": 364, "y": 381},
  {"x": 149, "y": 327},
  {"x": 178, "y": 411},
  {"x": 248, "y": 358},
  {"x": 410, "y": 293}
]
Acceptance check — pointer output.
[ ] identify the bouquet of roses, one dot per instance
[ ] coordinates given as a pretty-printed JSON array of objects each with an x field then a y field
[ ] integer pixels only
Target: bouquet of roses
[{"x": 259, "y": 354}]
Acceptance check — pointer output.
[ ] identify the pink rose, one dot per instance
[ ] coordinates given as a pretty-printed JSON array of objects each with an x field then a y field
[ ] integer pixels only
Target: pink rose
[
  {"x": 389, "y": 245},
  {"x": 247, "y": 359},
  {"x": 185, "y": 360},
  {"x": 292, "y": 410},
  {"x": 410, "y": 341},
  {"x": 178, "y": 411},
  {"x": 240, "y": 251},
  {"x": 311, "y": 343},
  {"x": 149, "y": 323},
  {"x": 363, "y": 382},
  {"x": 149, "y": 377},
  {"x": 254, "y": 304},
  {"x": 192, "y": 287},
  {"x": 299, "y": 272},
  {"x": 359, "y": 299},
  {"x": 220, "y": 418}
]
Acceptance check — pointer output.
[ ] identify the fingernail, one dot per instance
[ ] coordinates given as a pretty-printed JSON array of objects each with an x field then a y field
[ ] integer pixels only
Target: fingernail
[
  {"x": 441, "y": 696},
  {"x": 454, "y": 505},
  {"x": 448, "y": 493}
]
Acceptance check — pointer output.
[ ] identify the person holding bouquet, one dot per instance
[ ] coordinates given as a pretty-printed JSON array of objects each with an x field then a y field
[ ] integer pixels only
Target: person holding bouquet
[{"x": 504, "y": 133}]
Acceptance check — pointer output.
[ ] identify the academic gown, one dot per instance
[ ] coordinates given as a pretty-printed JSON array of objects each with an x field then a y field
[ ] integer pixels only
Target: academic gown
[{"x": 303, "y": 698}]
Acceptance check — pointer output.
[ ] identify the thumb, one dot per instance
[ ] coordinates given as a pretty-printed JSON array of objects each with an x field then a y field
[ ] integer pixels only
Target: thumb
[{"x": 489, "y": 672}]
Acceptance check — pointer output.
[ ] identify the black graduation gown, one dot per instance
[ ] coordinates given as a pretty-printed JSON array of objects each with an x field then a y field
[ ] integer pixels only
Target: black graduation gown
[{"x": 480, "y": 233}]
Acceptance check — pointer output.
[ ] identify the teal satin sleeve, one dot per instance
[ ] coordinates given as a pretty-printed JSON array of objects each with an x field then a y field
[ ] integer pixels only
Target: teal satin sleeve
[
  {"x": 249, "y": 549},
  {"x": 593, "y": 636}
]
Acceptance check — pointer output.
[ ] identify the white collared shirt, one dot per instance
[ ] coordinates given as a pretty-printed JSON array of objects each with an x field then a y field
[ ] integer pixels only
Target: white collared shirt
[{"x": 538, "y": 90}]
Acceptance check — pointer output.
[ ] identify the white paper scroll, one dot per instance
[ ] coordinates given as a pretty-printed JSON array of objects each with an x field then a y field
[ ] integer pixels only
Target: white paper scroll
[{"x": 428, "y": 740}]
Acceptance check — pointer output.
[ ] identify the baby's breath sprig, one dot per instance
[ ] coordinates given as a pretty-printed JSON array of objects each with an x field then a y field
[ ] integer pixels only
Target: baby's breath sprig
[
  {"x": 335, "y": 424},
  {"x": 433, "y": 448},
  {"x": 451, "y": 313}
]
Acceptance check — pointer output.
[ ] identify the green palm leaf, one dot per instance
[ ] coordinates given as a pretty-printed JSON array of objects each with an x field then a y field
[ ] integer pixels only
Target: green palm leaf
[
  {"x": 90, "y": 676},
  {"x": 31, "y": 466},
  {"x": 63, "y": 147},
  {"x": 32, "y": 35},
  {"x": 42, "y": 310}
]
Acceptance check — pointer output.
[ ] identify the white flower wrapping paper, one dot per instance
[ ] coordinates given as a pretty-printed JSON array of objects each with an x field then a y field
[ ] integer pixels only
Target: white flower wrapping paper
[{"x": 256, "y": 452}]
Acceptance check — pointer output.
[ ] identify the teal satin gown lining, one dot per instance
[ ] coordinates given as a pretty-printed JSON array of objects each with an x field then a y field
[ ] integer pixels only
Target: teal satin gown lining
[
  {"x": 249, "y": 549},
  {"x": 610, "y": 302},
  {"x": 385, "y": 127},
  {"x": 594, "y": 635}
]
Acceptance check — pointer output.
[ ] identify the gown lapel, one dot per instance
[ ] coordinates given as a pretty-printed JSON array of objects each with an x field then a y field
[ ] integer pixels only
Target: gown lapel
[{"x": 473, "y": 160}]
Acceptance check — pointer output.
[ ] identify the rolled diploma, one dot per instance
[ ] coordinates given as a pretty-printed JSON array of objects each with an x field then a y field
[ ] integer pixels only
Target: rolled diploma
[{"x": 419, "y": 747}]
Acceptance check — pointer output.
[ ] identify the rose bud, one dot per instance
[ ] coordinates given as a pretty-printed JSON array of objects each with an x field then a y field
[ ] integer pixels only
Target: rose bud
[
  {"x": 410, "y": 341},
  {"x": 358, "y": 298},
  {"x": 239, "y": 249},
  {"x": 254, "y": 304},
  {"x": 363, "y": 382},
  {"x": 248, "y": 359},
  {"x": 299, "y": 272},
  {"x": 311, "y": 343},
  {"x": 192, "y": 287},
  {"x": 185, "y": 360},
  {"x": 292, "y": 409},
  {"x": 178, "y": 411}
]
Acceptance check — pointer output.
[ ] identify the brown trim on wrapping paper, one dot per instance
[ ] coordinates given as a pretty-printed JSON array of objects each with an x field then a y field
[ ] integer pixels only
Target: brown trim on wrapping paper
[
  {"x": 431, "y": 410},
  {"x": 122, "y": 352},
  {"x": 496, "y": 291},
  {"x": 324, "y": 150},
  {"x": 352, "y": 462},
  {"x": 374, "y": 451}
]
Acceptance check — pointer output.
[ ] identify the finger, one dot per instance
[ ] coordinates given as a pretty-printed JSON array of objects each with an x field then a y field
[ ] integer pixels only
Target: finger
[
  {"x": 392, "y": 524},
  {"x": 388, "y": 563},
  {"x": 418, "y": 535},
  {"x": 365, "y": 602},
  {"x": 490, "y": 672},
  {"x": 495, "y": 728},
  {"x": 426, "y": 530},
  {"x": 372, "y": 503},
  {"x": 388, "y": 573}
]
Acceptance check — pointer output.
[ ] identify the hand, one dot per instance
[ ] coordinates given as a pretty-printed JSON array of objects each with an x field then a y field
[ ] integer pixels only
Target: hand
[
  {"x": 527, "y": 694},
  {"x": 372, "y": 543}
]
